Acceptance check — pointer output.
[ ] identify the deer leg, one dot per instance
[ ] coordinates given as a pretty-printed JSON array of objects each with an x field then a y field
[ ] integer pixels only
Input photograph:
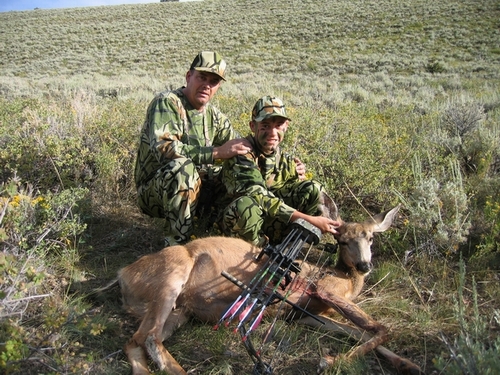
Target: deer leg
[
  {"x": 175, "y": 320},
  {"x": 157, "y": 350},
  {"x": 165, "y": 320},
  {"x": 360, "y": 319},
  {"x": 162, "y": 357},
  {"x": 357, "y": 316},
  {"x": 135, "y": 347},
  {"x": 152, "y": 343},
  {"x": 136, "y": 357},
  {"x": 159, "y": 322},
  {"x": 402, "y": 365}
]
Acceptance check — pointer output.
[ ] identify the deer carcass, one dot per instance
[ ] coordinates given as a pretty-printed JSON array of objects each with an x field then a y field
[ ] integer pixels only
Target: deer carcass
[{"x": 166, "y": 288}]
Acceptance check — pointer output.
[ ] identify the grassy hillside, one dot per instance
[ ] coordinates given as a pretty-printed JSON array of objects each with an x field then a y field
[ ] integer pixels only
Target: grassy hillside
[{"x": 393, "y": 101}]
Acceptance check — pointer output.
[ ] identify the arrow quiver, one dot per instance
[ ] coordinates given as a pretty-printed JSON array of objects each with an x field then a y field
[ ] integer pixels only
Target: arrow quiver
[{"x": 277, "y": 272}]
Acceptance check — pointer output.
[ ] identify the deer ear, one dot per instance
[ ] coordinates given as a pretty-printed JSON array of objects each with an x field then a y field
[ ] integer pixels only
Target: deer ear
[
  {"x": 328, "y": 207},
  {"x": 384, "y": 220}
]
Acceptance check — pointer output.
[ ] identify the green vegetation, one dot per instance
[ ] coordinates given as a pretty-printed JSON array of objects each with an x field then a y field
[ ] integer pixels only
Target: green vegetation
[{"x": 392, "y": 102}]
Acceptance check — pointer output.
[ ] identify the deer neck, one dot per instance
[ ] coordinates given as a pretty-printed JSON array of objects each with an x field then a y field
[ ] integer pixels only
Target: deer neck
[{"x": 357, "y": 279}]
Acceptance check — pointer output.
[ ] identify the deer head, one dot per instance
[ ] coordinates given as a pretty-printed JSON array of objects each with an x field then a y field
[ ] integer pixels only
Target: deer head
[{"x": 355, "y": 239}]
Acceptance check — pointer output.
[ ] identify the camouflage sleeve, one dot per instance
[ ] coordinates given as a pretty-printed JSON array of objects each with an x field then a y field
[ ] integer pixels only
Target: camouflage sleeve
[
  {"x": 172, "y": 134},
  {"x": 287, "y": 172},
  {"x": 242, "y": 176},
  {"x": 224, "y": 131}
]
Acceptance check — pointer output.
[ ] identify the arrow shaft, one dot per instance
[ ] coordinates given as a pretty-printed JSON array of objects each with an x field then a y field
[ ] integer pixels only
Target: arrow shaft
[{"x": 246, "y": 291}]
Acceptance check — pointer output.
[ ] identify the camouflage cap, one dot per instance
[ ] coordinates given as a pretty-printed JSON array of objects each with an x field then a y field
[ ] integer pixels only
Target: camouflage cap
[
  {"x": 268, "y": 106},
  {"x": 212, "y": 62}
]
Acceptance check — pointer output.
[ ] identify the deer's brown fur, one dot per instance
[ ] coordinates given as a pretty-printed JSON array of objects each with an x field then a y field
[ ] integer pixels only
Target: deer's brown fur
[{"x": 166, "y": 288}]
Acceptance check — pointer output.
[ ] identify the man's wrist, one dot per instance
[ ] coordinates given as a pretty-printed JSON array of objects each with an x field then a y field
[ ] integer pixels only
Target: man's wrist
[{"x": 215, "y": 153}]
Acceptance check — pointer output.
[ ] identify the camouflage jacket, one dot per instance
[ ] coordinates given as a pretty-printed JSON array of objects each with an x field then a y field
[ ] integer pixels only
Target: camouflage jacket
[
  {"x": 173, "y": 129},
  {"x": 260, "y": 177}
]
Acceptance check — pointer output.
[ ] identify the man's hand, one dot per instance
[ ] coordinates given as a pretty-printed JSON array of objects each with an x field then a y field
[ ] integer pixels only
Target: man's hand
[
  {"x": 324, "y": 224},
  {"x": 300, "y": 168},
  {"x": 239, "y": 146}
]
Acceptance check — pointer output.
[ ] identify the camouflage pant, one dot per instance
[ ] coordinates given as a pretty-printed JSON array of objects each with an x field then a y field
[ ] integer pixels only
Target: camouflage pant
[
  {"x": 172, "y": 194},
  {"x": 245, "y": 218}
]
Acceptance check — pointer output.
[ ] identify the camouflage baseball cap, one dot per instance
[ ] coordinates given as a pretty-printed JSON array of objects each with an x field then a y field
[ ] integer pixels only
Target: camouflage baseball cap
[
  {"x": 212, "y": 62},
  {"x": 268, "y": 106}
]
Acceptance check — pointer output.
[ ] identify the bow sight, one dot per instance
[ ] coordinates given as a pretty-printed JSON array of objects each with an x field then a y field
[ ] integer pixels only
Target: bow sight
[{"x": 277, "y": 272}]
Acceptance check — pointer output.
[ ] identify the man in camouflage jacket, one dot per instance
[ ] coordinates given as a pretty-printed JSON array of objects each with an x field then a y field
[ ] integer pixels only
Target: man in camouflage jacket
[
  {"x": 181, "y": 139},
  {"x": 268, "y": 186}
]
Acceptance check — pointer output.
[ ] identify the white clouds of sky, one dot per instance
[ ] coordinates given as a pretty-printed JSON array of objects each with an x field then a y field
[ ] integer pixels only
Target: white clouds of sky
[{"x": 18, "y": 5}]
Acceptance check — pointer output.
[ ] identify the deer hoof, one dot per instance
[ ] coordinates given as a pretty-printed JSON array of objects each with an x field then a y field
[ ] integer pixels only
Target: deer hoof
[
  {"x": 408, "y": 368},
  {"x": 326, "y": 362}
]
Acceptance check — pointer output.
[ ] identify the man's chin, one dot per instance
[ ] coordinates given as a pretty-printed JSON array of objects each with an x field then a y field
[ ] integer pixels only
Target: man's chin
[
  {"x": 201, "y": 102},
  {"x": 273, "y": 147},
  {"x": 269, "y": 150}
]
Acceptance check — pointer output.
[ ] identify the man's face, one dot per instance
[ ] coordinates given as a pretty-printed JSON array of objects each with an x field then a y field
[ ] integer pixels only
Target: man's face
[
  {"x": 201, "y": 87},
  {"x": 269, "y": 133}
]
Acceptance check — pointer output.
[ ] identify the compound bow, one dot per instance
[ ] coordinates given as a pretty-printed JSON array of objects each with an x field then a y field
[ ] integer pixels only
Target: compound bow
[{"x": 277, "y": 272}]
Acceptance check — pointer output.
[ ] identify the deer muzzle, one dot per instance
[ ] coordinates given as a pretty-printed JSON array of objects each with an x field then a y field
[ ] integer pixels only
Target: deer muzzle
[{"x": 364, "y": 267}]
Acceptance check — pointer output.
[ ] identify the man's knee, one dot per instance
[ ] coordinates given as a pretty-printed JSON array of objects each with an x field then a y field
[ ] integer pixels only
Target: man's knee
[
  {"x": 241, "y": 214},
  {"x": 181, "y": 169},
  {"x": 305, "y": 196},
  {"x": 179, "y": 175},
  {"x": 240, "y": 208},
  {"x": 310, "y": 187}
]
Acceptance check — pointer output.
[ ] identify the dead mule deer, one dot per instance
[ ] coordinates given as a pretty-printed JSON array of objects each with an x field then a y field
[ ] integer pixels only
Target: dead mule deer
[{"x": 166, "y": 288}]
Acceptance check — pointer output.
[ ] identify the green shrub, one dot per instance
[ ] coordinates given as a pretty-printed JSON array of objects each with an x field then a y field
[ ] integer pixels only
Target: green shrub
[
  {"x": 12, "y": 346},
  {"x": 436, "y": 66},
  {"x": 38, "y": 235},
  {"x": 474, "y": 349},
  {"x": 490, "y": 241},
  {"x": 439, "y": 216}
]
